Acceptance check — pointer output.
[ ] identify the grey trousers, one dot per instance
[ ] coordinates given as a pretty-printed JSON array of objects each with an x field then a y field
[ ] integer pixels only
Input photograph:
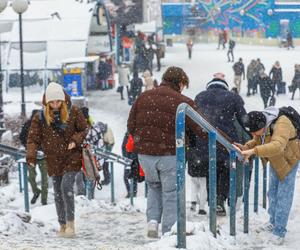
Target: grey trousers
[
  {"x": 160, "y": 175},
  {"x": 64, "y": 196}
]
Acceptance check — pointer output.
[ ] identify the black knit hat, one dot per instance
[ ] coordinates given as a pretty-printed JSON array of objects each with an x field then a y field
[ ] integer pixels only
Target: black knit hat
[{"x": 254, "y": 121}]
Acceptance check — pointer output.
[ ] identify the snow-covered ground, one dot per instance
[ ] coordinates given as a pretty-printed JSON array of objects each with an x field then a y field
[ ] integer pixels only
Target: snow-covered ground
[{"x": 101, "y": 225}]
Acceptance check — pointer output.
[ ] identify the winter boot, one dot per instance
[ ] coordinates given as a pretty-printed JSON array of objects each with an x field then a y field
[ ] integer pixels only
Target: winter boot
[
  {"x": 193, "y": 206},
  {"x": 202, "y": 212},
  {"x": 62, "y": 230},
  {"x": 152, "y": 229},
  {"x": 35, "y": 197},
  {"x": 70, "y": 230}
]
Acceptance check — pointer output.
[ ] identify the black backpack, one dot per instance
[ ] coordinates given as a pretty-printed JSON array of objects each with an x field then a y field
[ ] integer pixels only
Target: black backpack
[{"x": 293, "y": 116}]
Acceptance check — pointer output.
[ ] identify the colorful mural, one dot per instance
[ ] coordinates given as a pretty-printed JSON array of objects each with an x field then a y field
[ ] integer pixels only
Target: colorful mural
[{"x": 238, "y": 15}]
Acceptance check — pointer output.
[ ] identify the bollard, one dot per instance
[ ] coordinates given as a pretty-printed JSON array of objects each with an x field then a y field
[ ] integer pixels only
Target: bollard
[
  {"x": 146, "y": 189},
  {"x": 246, "y": 196},
  {"x": 232, "y": 193},
  {"x": 265, "y": 169},
  {"x": 180, "y": 178},
  {"x": 112, "y": 189},
  {"x": 212, "y": 184},
  {"x": 256, "y": 183},
  {"x": 20, "y": 176},
  {"x": 25, "y": 182},
  {"x": 131, "y": 191},
  {"x": 90, "y": 191}
]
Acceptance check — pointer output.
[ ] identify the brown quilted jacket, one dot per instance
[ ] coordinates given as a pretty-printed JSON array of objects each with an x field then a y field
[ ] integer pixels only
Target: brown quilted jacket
[
  {"x": 152, "y": 121},
  {"x": 54, "y": 144}
]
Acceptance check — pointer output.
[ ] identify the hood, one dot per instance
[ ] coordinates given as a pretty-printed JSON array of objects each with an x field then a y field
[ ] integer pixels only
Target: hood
[{"x": 271, "y": 113}]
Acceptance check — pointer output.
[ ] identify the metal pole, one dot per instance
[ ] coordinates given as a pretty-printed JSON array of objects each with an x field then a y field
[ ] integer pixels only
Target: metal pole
[
  {"x": 23, "y": 110},
  {"x": 2, "y": 126},
  {"x": 232, "y": 193},
  {"x": 25, "y": 182},
  {"x": 112, "y": 184},
  {"x": 180, "y": 165},
  {"x": 212, "y": 184},
  {"x": 256, "y": 182},
  {"x": 118, "y": 43},
  {"x": 20, "y": 176},
  {"x": 246, "y": 196},
  {"x": 131, "y": 191},
  {"x": 265, "y": 169},
  {"x": 146, "y": 189}
]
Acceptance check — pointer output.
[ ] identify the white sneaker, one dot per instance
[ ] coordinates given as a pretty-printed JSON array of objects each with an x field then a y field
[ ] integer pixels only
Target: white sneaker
[
  {"x": 266, "y": 227},
  {"x": 276, "y": 240},
  {"x": 152, "y": 229}
]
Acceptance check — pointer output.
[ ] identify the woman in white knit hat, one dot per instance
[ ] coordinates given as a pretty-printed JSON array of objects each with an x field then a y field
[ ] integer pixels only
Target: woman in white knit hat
[{"x": 59, "y": 131}]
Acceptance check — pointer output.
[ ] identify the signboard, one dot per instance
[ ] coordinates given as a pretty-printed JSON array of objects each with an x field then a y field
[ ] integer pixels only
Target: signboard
[{"x": 73, "y": 82}]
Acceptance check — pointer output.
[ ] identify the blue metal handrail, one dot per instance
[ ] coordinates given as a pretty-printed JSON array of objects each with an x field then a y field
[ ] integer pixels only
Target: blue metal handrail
[{"x": 184, "y": 110}]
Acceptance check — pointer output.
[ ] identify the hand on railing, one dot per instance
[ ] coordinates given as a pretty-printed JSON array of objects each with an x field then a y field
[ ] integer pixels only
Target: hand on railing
[{"x": 246, "y": 153}]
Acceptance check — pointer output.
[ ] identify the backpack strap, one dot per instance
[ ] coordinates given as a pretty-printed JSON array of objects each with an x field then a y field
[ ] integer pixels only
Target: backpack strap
[{"x": 273, "y": 124}]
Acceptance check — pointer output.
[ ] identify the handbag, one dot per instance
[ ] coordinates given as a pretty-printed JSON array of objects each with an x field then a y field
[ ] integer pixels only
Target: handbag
[
  {"x": 90, "y": 166},
  {"x": 119, "y": 89},
  {"x": 291, "y": 88}
]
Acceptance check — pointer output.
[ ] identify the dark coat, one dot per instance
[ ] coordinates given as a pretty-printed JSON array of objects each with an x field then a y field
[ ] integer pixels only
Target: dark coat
[
  {"x": 221, "y": 108},
  {"x": 276, "y": 74},
  {"x": 152, "y": 120},
  {"x": 239, "y": 69},
  {"x": 54, "y": 142},
  {"x": 296, "y": 80},
  {"x": 136, "y": 85},
  {"x": 104, "y": 70},
  {"x": 267, "y": 87}
]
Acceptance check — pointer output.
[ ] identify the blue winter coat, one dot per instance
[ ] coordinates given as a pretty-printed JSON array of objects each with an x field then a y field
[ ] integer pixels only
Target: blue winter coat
[{"x": 221, "y": 108}]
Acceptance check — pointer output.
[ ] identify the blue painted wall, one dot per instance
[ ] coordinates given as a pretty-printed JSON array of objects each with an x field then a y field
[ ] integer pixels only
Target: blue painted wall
[{"x": 236, "y": 15}]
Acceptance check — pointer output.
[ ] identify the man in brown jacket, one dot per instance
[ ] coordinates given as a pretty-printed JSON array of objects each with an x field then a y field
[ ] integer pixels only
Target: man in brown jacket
[
  {"x": 152, "y": 123},
  {"x": 59, "y": 131},
  {"x": 274, "y": 142}
]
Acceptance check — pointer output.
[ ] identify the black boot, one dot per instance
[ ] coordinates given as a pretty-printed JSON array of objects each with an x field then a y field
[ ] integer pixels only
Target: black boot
[{"x": 35, "y": 197}]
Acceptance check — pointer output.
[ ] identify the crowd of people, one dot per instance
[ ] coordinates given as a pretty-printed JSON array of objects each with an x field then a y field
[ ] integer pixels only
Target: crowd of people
[{"x": 60, "y": 129}]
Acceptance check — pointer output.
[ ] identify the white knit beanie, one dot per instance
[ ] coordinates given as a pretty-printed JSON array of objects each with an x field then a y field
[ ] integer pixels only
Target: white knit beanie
[{"x": 54, "y": 92}]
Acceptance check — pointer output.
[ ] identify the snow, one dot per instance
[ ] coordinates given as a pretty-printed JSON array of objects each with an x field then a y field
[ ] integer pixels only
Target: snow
[{"x": 101, "y": 225}]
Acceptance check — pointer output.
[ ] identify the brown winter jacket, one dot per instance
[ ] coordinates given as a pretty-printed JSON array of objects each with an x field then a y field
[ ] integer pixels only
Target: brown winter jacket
[
  {"x": 282, "y": 153},
  {"x": 152, "y": 120},
  {"x": 59, "y": 159}
]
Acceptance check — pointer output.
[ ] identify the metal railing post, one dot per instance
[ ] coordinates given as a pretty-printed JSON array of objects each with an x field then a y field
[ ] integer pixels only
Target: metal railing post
[
  {"x": 265, "y": 169},
  {"x": 112, "y": 183},
  {"x": 246, "y": 196},
  {"x": 131, "y": 191},
  {"x": 146, "y": 189},
  {"x": 25, "y": 182},
  {"x": 180, "y": 165},
  {"x": 256, "y": 182},
  {"x": 212, "y": 184},
  {"x": 20, "y": 176},
  {"x": 232, "y": 192}
]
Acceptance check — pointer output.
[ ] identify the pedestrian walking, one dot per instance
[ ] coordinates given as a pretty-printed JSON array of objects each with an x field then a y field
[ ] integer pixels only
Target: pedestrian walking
[
  {"x": 151, "y": 122},
  {"x": 239, "y": 71},
  {"x": 230, "y": 50},
  {"x": 60, "y": 131},
  {"x": 189, "y": 46}
]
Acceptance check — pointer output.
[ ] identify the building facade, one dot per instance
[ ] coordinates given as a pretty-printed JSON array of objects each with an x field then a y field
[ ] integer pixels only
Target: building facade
[{"x": 269, "y": 18}]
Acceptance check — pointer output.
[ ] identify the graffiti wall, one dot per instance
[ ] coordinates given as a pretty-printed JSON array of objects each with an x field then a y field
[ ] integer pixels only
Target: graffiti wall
[{"x": 238, "y": 15}]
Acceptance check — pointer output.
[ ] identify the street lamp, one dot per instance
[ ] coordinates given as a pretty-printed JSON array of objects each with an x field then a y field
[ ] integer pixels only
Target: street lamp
[
  {"x": 3, "y": 4},
  {"x": 20, "y": 6}
]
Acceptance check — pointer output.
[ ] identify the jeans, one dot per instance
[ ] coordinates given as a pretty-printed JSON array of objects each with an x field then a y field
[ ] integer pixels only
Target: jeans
[
  {"x": 64, "y": 196},
  {"x": 281, "y": 194},
  {"x": 160, "y": 175}
]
